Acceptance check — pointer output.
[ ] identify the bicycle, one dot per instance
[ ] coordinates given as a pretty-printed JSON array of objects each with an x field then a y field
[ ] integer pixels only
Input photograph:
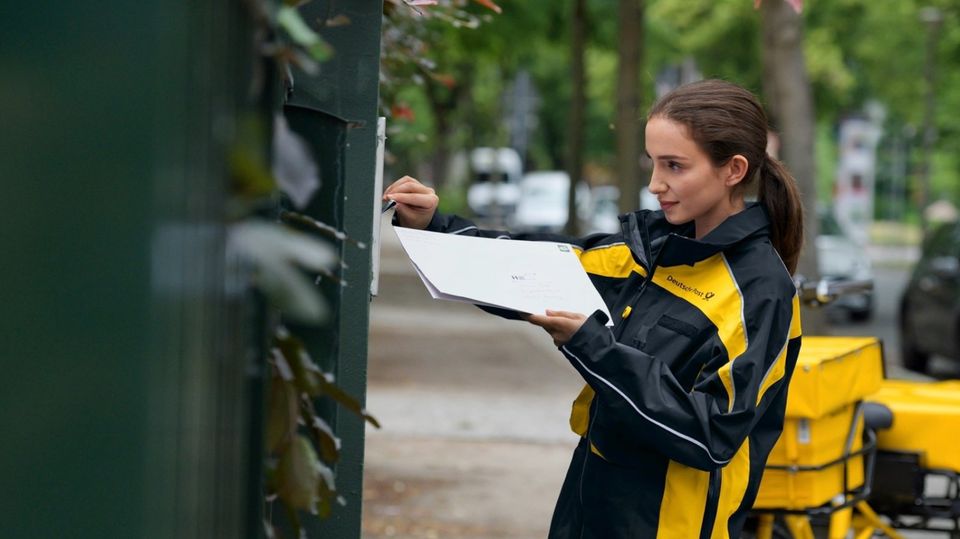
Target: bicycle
[{"x": 857, "y": 448}]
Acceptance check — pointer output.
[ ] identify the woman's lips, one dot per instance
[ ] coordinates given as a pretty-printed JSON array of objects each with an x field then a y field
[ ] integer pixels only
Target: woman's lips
[{"x": 664, "y": 205}]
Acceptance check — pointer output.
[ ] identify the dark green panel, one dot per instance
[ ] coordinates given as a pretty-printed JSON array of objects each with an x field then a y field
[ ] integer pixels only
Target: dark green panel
[
  {"x": 75, "y": 241},
  {"x": 124, "y": 411}
]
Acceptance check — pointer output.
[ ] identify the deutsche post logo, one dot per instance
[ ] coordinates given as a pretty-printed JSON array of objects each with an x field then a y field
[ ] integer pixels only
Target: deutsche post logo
[{"x": 705, "y": 296}]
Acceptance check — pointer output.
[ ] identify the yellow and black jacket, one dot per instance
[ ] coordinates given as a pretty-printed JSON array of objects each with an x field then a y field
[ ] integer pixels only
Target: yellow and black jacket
[{"x": 685, "y": 395}]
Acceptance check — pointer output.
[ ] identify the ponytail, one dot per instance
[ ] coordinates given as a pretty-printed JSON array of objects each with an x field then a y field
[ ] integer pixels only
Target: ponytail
[{"x": 780, "y": 197}]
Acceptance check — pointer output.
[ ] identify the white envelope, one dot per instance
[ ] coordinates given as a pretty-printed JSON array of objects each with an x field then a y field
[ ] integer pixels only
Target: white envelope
[{"x": 525, "y": 276}]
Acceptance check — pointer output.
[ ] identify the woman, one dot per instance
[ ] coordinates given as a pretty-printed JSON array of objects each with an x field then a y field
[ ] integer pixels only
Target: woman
[{"x": 685, "y": 395}]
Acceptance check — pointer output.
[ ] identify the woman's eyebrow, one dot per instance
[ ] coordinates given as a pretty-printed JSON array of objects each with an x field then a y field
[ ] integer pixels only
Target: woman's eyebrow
[{"x": 669, "y": 157}]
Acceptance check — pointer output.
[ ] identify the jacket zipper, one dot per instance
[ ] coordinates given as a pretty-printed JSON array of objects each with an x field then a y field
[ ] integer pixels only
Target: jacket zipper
[
  {"x": 713, "y": 498},
  {"x": 619, "y": 329}
]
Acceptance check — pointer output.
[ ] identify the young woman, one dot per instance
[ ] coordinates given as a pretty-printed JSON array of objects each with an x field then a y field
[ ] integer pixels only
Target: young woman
[{"x": 685, "y": 394}]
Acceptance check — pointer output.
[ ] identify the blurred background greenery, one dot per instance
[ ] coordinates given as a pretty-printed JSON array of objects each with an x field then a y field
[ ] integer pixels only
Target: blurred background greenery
[{"x": 862, "y": 57}]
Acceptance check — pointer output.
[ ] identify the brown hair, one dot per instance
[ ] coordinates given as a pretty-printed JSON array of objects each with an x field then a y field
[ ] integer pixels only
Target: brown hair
[{"x": 726, "y": 120}]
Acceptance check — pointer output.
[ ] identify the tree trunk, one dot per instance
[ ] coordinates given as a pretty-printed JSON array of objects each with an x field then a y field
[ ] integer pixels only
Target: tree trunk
[
  {"x": 444, "y": 101},
  {"x": 790, "y": 102},
  {"x": 630, "y": 51},
  {"x": 441, "y": 148},
  {"x": 578, "y": 103}
]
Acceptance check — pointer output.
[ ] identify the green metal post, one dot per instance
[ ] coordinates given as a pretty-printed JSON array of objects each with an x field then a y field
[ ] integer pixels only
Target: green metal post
[{"x": 336, "y": 111}]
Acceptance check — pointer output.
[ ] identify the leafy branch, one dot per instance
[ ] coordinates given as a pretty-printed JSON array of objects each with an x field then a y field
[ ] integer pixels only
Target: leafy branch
[{"x": 296, "y": 474}]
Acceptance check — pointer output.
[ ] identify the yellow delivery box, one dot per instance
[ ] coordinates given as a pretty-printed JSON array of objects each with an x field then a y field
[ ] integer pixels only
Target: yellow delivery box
[
  {"x": 833, "y": 372},
  {"x": 807, "y": 466},
  {"x": 813, "y": 461},
  {"x": 926, "y": 421}
]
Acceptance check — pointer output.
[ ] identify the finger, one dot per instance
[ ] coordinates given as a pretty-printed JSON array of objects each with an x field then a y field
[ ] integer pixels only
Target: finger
[
  {"x": 416, "y": 201},
  {"x": 390, "y": 188},
  {"x": 399, "y": 183},
  {"x": 547, "y": 323},
  {"x": 566, "y": 314},
  {"x": 537, "y": 319},
  {"x": 412, "y": 186}
]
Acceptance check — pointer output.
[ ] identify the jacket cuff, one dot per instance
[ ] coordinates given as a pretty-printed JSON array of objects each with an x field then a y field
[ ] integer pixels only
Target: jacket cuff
[
  {"x": 593, "y": 335},
  {"x": 436, "y": 223}
]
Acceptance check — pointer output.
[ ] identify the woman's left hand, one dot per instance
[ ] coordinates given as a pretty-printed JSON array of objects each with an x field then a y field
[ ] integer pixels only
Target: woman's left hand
[{"x": 561, "y": 325}]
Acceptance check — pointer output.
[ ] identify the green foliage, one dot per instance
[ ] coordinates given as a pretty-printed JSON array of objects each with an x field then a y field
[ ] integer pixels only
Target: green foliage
[
  {"x": 453, "y": 199},
  {"x": 825, "y": 148},
  {"x": 278, "y": 256},
  {"x": 429, "y": 63},
  {"x": 856, "y": 51},
  {"x": 721, "y": 35},
  {"x": 883, "y": 48},
  {"x": 289, "y": 19},
  {"x": 300, "y": 478},
  {"x": 945, "y": 180}
]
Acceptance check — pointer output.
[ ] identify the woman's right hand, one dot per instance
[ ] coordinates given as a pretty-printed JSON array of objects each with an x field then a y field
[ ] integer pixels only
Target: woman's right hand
[{"x": 416, "y": 203}]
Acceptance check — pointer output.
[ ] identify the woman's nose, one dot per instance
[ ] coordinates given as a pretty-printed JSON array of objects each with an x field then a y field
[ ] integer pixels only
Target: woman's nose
[{"x": 656, "y": 186}]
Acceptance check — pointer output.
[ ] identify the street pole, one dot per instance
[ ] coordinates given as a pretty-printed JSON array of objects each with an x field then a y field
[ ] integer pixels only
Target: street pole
[{"x": 932, "y": 17}]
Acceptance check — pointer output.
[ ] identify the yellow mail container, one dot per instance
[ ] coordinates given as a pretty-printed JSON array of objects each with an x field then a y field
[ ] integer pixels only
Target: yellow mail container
[
  {"x": 832, "y": 375},
  {"x": 833, "y": 372},
  {"x": 926, "y": 420},
  {"x": 813, "y": 443}
]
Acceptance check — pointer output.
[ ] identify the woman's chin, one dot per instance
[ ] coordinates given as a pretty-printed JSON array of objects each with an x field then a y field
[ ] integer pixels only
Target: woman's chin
[{"x": 673, "y": 218}]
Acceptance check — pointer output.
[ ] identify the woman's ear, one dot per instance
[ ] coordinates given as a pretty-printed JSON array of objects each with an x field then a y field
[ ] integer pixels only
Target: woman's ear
[{"x": 737, "y": 168}]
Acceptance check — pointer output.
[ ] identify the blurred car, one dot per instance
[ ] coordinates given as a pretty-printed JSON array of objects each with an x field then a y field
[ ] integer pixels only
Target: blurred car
[
  {"x": 839, "y": 257},
  {"x": 930, "y": 306},
  {"x": 604, "y": 214},
  {"x": 493, "y": 199},
  {"x": 543, "y": 202}
]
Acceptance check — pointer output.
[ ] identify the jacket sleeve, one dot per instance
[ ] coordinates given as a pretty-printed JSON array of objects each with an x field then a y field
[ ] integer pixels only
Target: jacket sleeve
[{"x": 702, "y": 428}]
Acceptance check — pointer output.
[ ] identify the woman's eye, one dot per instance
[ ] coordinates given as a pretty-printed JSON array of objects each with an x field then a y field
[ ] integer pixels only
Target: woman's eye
[{"x": 673, "y": 165}]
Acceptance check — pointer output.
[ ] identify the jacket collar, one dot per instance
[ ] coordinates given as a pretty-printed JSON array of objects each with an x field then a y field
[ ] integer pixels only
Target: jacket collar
[{"x": 651, "y": 237}]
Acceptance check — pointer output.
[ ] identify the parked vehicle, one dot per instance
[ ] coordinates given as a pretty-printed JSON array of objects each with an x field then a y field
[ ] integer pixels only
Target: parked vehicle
[
  {"x": 839, "y": 257},
  {"x": 604, "y": 214},
  {"x": 543, "y": 202},
  {"x": 930, "y": 306}
]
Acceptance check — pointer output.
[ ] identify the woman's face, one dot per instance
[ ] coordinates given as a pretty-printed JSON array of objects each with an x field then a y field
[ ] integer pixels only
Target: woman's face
[{"x": 686, "y": 183}]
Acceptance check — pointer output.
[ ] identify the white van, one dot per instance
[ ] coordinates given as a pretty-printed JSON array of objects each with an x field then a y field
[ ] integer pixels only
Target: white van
[{"x": 543, "y": 202}]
